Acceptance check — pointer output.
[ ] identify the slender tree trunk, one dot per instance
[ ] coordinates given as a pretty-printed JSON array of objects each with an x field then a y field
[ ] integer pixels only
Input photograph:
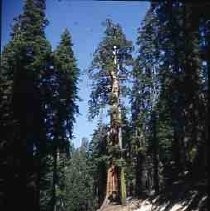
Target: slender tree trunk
[
  {"x": 122, "y": 170},
  {"x": 123, "y": 186},
  {"x": 140, "y": 177},
  {"x": 54, "y": 179},
  {"x": 155, "y": 154}
]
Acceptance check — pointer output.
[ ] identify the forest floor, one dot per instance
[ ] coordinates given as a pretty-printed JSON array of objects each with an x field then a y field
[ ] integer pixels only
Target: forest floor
[{"x": 181, "y": 196}]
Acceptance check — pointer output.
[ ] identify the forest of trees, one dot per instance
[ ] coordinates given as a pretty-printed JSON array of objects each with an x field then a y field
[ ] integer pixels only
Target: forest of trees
[{"x": 155, "y": 94}]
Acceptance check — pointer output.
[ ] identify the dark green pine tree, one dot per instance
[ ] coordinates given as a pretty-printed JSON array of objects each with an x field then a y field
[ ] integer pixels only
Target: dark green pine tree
[
  {"x": 50, "y": 102},
  {"x": 179, "y": 38},
  {"x": 68, "y": 74},
  {"x": 23, "y": 59},
  {"x": 60, "y": 95},
  {"x": 169, "y": 62},
  {"x": 196, "y": 107},
  {"x": 7, "y": 126},
  {"x": 144, "y": 99}
]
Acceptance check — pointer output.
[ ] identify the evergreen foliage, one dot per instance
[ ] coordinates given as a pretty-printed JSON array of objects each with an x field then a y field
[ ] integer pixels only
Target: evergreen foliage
[
  {"x": 38, "y": 107},
  {"x": 98, "y": 160},
  {"x": 103, "y": 62},
  {"x": 22, "y": 60},
  {"x": 79, "y": 181},
  {"x": 109, "y": 68},
  {"x": 59, "y": 90},
  {"x": 159, "y": 148},
  {"x": 167, "y": 86}
]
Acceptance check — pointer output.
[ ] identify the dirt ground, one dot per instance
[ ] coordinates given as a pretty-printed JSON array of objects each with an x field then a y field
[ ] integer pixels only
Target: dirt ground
[{"x": 116, "y": 208}]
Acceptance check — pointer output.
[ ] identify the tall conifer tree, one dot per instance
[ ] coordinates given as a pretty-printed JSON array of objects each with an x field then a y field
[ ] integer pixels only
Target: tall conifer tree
[
  {"x": 108, "y": 69},
  {"x": 59, "y": 91},
  {"x": 23, "y": 59}
]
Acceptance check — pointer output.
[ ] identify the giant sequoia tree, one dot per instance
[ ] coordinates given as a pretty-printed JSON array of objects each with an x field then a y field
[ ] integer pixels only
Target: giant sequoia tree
[{"x": 107, "y": 72}]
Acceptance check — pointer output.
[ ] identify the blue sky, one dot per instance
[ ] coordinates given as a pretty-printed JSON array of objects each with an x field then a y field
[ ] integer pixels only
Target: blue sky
[{"x": 83, "y": 19}]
